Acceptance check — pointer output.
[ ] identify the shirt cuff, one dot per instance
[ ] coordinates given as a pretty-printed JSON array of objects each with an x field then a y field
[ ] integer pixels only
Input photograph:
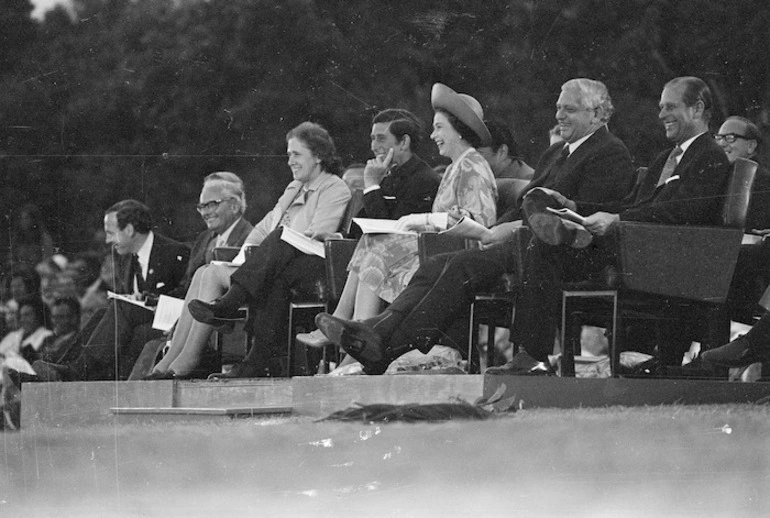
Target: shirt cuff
[{"x": 372, "y": 188}]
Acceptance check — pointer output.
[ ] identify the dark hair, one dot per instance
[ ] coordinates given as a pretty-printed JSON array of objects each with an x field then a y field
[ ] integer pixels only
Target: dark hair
[
  {"x": 695, "y": 90},
  {"x": 38, "y": 306},
  {"x": 466, "y": 133},
  {"x": 501, "y": 134},
  {"x": 70, "y": 301},
  {"x": 402, "y": 122},
  {"x": 320, "y": 143},
  {"x": 134, "y": 212},
  {"x": 751, "y": 130}
]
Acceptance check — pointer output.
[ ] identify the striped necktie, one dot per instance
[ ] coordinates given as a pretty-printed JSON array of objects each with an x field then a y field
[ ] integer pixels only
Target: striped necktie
[{"x": 669, "y": 166}]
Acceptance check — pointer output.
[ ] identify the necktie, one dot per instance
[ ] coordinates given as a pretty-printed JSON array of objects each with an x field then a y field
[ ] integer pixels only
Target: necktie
[
  {"x": 213, "y": 243},
  {"x": 137, "y": 272},
  {"x": 669, "y": 166}
]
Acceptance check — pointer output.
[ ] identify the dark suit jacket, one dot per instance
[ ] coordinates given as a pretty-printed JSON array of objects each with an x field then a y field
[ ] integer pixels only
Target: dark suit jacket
[
  {"x": 597, "y": 173},
  {"x": 694, "y": 193},
  {"x": 201, "y": 245},
  {"x": 168, "y": 261},
  {"x": 410, "y": 188}
]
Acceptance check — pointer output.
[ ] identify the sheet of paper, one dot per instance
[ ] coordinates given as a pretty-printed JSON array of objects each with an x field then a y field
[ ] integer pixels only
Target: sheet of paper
[
  {"x": 167, "y": 312},
  {"x": 129, "y": 299},
  {"x": 303, "y": 243},
  {"x": 380, "y": 226},
  {"x": 567, "y": 214}
]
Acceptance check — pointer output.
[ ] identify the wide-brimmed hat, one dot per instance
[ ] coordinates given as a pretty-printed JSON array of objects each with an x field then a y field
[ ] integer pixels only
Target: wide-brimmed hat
[{"x": 462, "y": 106}]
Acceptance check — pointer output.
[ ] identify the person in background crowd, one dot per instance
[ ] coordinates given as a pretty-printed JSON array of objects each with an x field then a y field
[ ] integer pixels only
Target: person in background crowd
[
  {"x": 502, "y": 154},
  {"x": 30, "y": 241}
]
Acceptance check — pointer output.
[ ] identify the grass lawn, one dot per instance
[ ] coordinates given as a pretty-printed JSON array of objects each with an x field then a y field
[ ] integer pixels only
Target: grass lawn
[{"x": 655, "y": 461}]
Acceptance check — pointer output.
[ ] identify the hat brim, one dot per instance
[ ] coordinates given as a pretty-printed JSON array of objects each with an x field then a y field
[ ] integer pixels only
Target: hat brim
[{"x": 441, "y": 96}]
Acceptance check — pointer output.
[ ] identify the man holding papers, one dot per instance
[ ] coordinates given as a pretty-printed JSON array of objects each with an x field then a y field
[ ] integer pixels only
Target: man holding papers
[
  {"x": 146, "y": 265},
  {"x": 313, "y": 204}
]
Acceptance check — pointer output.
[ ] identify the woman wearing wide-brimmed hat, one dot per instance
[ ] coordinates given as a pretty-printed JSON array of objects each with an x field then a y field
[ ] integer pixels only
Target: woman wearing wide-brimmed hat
[{"x": 383, "y": 264}]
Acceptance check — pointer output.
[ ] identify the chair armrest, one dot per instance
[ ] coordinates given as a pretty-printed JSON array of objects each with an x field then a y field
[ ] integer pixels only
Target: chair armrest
[{"x": 689, "y": 262}]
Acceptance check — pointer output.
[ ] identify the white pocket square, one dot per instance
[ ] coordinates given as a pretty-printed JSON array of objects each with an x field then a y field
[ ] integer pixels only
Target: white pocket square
[{"x": 677, "y": 177}]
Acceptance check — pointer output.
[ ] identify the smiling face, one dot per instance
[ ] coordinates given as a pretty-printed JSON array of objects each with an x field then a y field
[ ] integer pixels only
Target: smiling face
[
  {"x": 574, "y": 118},
  {"x": 680, "y": 121},
  {"x": 742, "y": 147},
  {"x": 383, "y": 141},
  {"x": 449, "y": 142},
  {"x": 304, "y": 166},
  {"x": 220, "y": 216}
]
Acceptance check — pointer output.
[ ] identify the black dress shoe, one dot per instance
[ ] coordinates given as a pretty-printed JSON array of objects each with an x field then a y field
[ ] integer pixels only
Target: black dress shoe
[
  {"x": 549, "y": 227},
  {"x": 738, "y": 353},
  {"x": 212, "y": 314},
  {"x": 357, "y": 339},
  {"x": 522, "y": 364}
]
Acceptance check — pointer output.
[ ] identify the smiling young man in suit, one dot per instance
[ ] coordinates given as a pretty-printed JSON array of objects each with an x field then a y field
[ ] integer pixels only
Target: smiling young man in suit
[{"x": 146, "y": 265}]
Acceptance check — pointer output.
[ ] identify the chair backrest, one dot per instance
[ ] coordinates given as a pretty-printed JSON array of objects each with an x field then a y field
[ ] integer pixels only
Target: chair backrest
[
  {"x": 354, "y": 206},
  {"x": 738, "y": 196},
  {"x": 338, "y": 254}
]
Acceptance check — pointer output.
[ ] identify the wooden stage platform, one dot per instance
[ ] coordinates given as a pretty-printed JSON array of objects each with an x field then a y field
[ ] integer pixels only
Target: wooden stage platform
[{"x": 87, "y": 403}]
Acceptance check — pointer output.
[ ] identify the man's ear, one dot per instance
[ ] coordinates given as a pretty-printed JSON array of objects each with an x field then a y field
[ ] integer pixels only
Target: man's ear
[
  {"x": 129, "y": 229},
  {"x": 406, "y": 141},
  {"x": 752, "y": 147},
  {"x": 502, "y": 151}
]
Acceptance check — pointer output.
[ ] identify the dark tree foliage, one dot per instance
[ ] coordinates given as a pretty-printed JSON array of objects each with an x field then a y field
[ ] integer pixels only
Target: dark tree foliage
[{"x": 142, "y": 98}]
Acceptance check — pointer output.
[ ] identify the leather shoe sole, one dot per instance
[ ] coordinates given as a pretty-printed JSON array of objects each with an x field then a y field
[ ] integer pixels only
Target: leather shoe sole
[
  {"x": 357, "y": 339},
  {"x": 207, "y": 314}
]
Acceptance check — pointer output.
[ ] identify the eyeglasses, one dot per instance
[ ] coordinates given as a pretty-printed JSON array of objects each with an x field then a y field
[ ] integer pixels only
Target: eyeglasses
[
  {"x": 212, "y": 205},
  {"x": 729, "y": 137}
]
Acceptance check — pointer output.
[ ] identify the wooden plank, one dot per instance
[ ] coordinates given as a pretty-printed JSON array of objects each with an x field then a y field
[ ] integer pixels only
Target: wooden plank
[
  {"x": 231, "y": 412},
  {"x": 320, "y": 396},
  {"x": 556, "y": 392}
]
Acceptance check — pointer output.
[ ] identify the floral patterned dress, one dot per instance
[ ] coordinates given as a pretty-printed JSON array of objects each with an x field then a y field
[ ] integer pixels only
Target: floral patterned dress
[{"x": 386, "y": 262}]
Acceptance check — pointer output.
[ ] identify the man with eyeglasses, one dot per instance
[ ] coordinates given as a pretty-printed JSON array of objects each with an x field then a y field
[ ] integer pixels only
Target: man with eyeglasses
[
  {"x": 147, "y": 265},
  {"x": 741, "y": 138},
  {"x": 222, "y": 203}
]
